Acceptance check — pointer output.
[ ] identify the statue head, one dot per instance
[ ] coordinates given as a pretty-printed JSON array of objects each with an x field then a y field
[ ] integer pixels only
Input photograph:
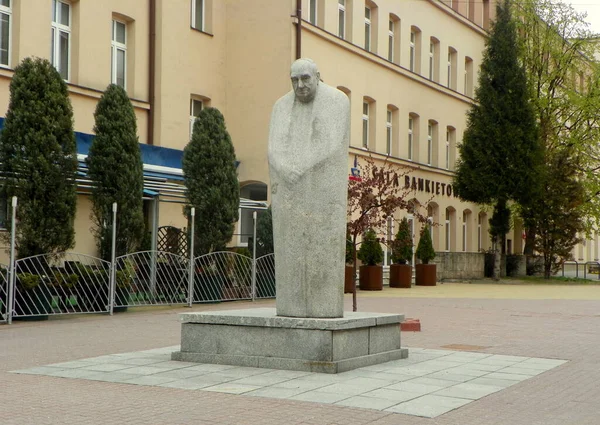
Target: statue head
[{"x": 305, "y": 79}]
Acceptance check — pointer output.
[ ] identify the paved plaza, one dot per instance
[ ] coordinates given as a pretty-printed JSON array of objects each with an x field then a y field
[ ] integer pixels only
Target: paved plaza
[{"x": 488, "y": 354}]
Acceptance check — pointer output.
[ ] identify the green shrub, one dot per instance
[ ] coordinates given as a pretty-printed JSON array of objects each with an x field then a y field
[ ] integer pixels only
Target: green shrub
[
  {"x": 28, "y": 281},
  {"x": 425, "y": 251},
  {"x": 402, "y": 247},
  {"x": 370, "y": 252},
  {"x": 64, "y": 280}
]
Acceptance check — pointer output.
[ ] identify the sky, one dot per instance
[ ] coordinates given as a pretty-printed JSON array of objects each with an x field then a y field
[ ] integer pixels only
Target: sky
[{"x": 592, "y": 7}]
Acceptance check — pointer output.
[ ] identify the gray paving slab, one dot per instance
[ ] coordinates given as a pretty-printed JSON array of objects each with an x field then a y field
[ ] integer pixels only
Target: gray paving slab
[
  {"x": 367, "y": 402},
  {"x": 495, "y": 382},
  {"x": 429, "y": 406},
  {"x": 149, "y": 380},
  {"x": 320, "y": 397},
  {"x": 468, "y": 390},
  {"x": 415, "y": 388},
  {"x": 117, "y": 376},
  {"x": 275, "y": 392},
  {"x": 393, "y": 395},
  {"x": 231, "y": 388}
]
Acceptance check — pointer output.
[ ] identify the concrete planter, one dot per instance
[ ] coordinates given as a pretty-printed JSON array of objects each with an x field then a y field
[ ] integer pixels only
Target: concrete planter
[
  {"x": 400, "y": 276},
  {"x": 371, "y": 278},
  {"x": 425, "y": 274},
  {"x": 349, "y": 280}
]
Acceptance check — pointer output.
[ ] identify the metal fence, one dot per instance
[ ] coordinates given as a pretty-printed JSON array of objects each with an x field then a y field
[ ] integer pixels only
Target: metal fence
[
  {"x": 69, "y": 283},
  {"x": 586, "y": 270}
]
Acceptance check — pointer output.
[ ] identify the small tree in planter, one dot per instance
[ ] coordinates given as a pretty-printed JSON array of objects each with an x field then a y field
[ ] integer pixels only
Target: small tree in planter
[
  {"x": 349, "y": 276},
  {"x": 373, "y": 197},
  {"x": 402, "y": 251},
  {"x": 425, "y": 272},
  {"x": 371, "y": 255}
]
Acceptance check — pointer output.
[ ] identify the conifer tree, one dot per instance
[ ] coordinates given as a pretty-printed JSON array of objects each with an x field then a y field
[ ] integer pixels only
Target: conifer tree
[
  {"x": 115, "y": 168},
  {"x": 211, "y": 180},
  {"x": 500, "y": 155},
  {"x": 38, "y": 159}
]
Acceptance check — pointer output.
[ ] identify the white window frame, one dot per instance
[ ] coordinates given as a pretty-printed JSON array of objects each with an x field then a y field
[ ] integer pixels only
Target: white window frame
[
  {"x": 312, "y": 12},
  {"x": 342, "y": 19},
  {"x": 411, "y": 124},
  {"x": 193, "y": 20},
  {"x": 7, "y": 10},
  {"x": 412, "y": 55},
  {"x": 447, "y": 246},
  {"x": 57, "y": 29},
  {"x": 464, "y": 233},
  {"x": 387, "y": 251},
  {"x": 368, "y": 28},
  {"x": 431, "y": 59},
  {"x": 115, "y": 48},
  {"x": 447, "y": 148},
  {"x": 391, "y": 28},
  {"x": 449, "y": 68},
  {"x": 389, "y": 131},
  {"x": 192, "y": 116},
  {"x": 479, "y": 233},
  {"x": 429, "y": 143},
  {"x": 365, "y": 122}
]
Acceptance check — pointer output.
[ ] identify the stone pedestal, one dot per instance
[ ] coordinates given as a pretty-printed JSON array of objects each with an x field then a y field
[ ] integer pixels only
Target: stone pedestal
[{"x": 260, "y": 338}]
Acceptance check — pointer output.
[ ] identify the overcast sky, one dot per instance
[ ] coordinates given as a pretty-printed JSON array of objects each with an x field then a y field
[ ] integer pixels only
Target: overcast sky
[{"x": 592, "y": 7}]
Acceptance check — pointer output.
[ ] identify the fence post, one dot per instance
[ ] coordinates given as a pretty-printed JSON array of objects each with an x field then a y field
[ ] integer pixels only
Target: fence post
[
  {"x": 254, "y": 214},
  {"x": 10, "y": 305},
  {"x": 191, "y": 268},
  {"x": 113, "y": 266},
  {"x": 154, "y": 249}
]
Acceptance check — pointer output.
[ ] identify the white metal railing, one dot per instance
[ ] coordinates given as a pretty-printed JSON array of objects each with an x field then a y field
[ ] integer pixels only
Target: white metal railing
[{"x": 69, "y": 283}]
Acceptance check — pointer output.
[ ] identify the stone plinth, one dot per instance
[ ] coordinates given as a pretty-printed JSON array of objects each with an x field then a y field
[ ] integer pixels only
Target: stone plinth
[{"x": 260, "y": 338}]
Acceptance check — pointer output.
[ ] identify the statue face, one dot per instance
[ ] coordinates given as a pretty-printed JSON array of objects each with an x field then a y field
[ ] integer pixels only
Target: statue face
[{"x": 305, "y": 79}]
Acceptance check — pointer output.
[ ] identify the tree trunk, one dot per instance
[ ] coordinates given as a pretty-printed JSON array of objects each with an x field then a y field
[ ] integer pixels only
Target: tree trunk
[
  {"x": 529, "y": 242},
  {"x": 497, "y": 258},
  {"x": 354, "y": 307}
]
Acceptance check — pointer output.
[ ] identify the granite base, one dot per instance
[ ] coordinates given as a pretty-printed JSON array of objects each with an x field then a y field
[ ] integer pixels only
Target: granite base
[{"x": 260, "y": 338}]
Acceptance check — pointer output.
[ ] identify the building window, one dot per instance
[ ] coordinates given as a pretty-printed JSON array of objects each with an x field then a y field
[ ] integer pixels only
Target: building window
[
  {"x": 486, "y": 14},
  {"x": 411, "y": 124},
  {"x": 451, "y": 68},
  {"x": 471, "y": 10},
  {"x": 119, "y": 53},
  {"x": 447, "y": 247},
  {"x": 61, "y": 37},
  {"x": 342, "y": 18},
  {"x": 415, "y": 50},
  {"x": 367, "y": 28},
  {"x": 431, "y": 59},
  {"x": 5, "y": 21},
  {"x": 365, "y": 125},
  {"x": 312, "y": 12},
  {"x": 389, "y": 132},
  {"x": 464, "y": 232},
  {"x": 196, "y": 106},
  {"x": 391, "y": 26},
  {"x": 429, "y": 143},
  {"x": 413, "y": 41},
  {"x": 447, "y": 162},
  {"x": 389, "y": 237},
  {"x": 434, "y": 59},
  {"x": 468, "y": 77},
  {"x": 479, "y": 219},
  {"x": 198, "y": 15}
]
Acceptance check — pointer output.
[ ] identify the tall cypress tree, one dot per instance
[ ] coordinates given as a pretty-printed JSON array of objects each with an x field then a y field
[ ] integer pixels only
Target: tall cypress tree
[
  {"x": 211, "y": 181},
  {"x": 116, "y": 169},
  {"x": 500, "y": 156},
  {"x": 38, "y": 159}
]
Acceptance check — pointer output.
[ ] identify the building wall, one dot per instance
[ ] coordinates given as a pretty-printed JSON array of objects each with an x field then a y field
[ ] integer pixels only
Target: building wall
[{"x": 239, "y": 62}]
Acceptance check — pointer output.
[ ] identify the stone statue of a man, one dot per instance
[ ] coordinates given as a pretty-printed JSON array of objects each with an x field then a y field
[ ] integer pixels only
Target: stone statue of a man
[{"x": 308, "y": 163}]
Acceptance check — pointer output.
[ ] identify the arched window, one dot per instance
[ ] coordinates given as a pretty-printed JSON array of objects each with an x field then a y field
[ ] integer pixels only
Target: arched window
[
  {"x": 394, "y": 39},
  {"x": 415, "y": 50}
]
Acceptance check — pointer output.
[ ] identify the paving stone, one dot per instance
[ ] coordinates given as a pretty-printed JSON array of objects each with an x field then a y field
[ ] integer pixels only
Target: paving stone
[
  {"x": 73, "y": 373},
  {"x": 106, "y": 367},
  {"x": 149, "y": 380},
  {"x": 415, "y": 388},
  {"x": 366, "y": 402},
  {"x": 187, "y": 384},
  {"x": 428, "y": 406},
  {"x": 427, "y": 380},
  {"x": 448, "y": 375},
  {"x": 320, "y": 397},
  {"x": 468, "y": 390},
  {"x": 521, "y": 371},
  {"x": 180, "y": 373},
  {"x": 111, "y": 376},
  {"x": 507, "y": 376},
  {"x": 72, "y": 365},
  {"x": 275, "y": 392},
  {"x": 144, "y": 370},
  {"x": 494, "y": 382},
  {"x": 393, "y": 395},
  {"x": 230, "y": 388}
]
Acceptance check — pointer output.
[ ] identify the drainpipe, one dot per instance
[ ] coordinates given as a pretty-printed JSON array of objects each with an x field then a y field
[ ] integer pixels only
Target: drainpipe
[
  {"x": 151, "y": 69},
  {"x": 299, "y": 29}
]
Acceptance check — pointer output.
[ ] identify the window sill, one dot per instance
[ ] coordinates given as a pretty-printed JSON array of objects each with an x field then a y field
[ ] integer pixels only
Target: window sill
[{"x": 202, "y": 32}]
